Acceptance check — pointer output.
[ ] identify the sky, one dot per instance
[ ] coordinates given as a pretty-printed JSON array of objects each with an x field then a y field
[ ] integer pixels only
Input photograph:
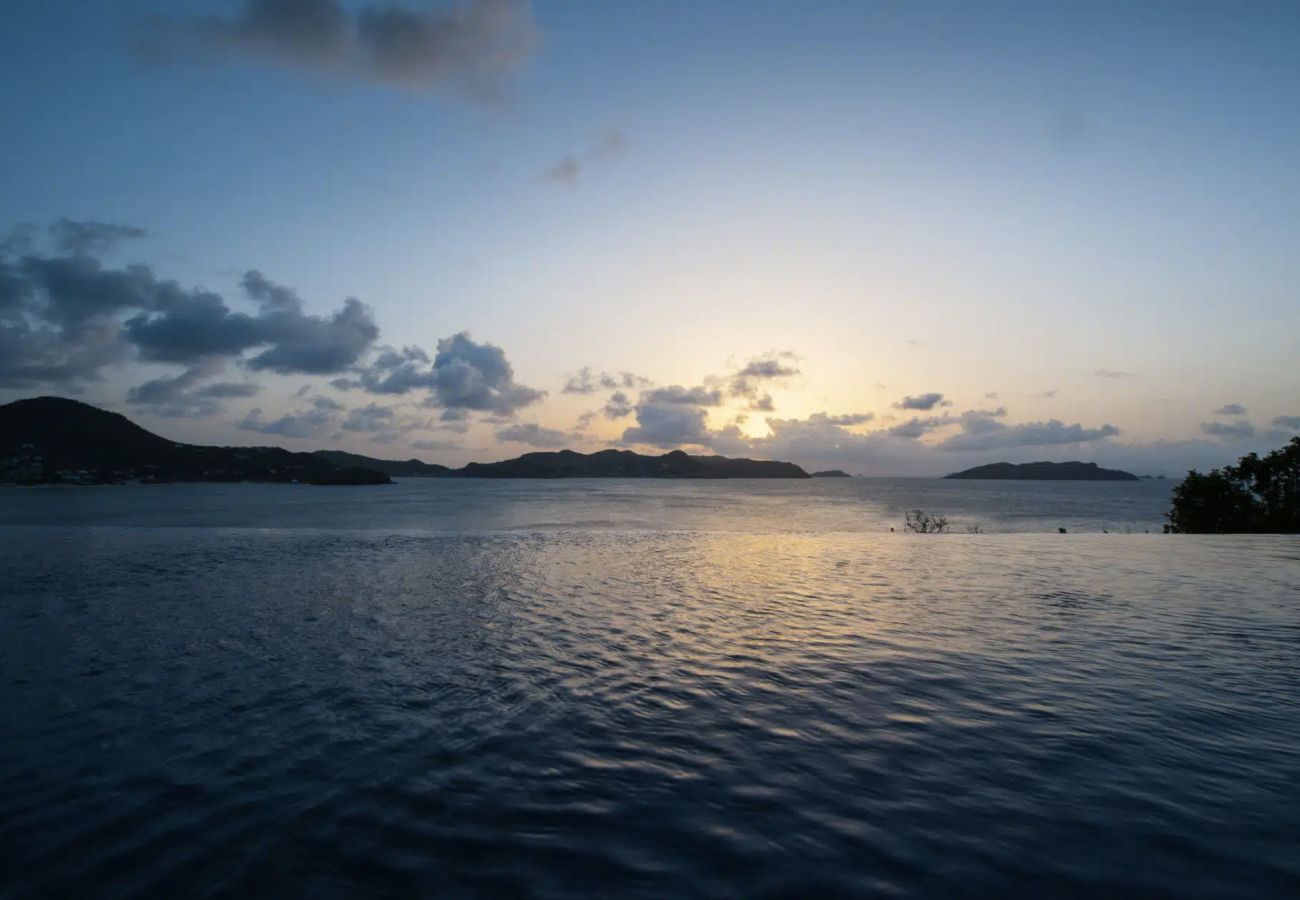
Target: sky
[{"x": 893, "y": 238}]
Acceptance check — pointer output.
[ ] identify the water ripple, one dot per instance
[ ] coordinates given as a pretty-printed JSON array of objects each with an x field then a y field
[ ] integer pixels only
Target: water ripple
[{"x": 239, "y": 712}]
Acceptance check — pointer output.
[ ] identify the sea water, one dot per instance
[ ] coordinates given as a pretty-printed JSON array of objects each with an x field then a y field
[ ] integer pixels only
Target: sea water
[{"x": 642, "y": 689}]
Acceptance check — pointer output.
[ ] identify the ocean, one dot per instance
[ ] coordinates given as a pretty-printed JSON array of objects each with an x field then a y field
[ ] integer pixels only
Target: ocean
[{"x": 642, "y": 689}]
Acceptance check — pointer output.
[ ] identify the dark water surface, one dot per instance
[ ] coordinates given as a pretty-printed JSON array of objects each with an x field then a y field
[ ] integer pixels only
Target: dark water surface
[
  {"x": 435, "y": 504},
  {"x": 335, "y": 710}
]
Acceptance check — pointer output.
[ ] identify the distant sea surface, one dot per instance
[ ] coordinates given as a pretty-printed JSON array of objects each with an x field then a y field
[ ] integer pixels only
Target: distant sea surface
[{"x": 642, "y": 689}]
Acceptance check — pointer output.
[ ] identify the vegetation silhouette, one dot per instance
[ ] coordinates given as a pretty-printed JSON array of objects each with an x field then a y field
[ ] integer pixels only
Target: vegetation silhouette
[
  {"x": 921, "y": 522},
  {"x": 1259, "y": 495}
]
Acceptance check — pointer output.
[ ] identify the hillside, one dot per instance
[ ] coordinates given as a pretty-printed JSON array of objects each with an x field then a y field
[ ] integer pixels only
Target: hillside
[
  {"x": 626, "y": 464},
  {"x": 48, "y": 440},
  {"x": 1044, "y": 471},
  {"x": 396, "y": 468}
]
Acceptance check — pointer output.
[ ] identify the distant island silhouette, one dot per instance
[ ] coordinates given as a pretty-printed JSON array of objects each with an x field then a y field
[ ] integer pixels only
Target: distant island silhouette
[
  {"x": 54, "y": 440},
  {"x": 831, "y": 473},
  {"x": 572, "y": 464},
  {"x": 1044, "y": 471}
]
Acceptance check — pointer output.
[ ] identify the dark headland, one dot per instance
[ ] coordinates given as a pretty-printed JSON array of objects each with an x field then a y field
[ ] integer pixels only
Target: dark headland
[
  {"x": 626, "y": 464},
  {"x": 54, "y": 440},
  {"x": 571, "y": 464},
  {"x": 1044, "y": 471}
]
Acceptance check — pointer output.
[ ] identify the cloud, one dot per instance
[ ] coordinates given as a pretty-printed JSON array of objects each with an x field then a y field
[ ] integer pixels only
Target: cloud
[
  {"x": 195, "y": 325},
  {"x": 1230, "y": 409},
  {"x": 618, "y": 406},
  {"x": 64, "y": 318},
  {"x": 82, "y": 238},
  {"x": 922, "y": 402},
  {"x": 1048, "y": 395},
  {"x": 33, "y": 356},
  {"x": 588, "y": 381},
  {"x": 675, "y": 393},
  {"x": 471, "y": 48},
  {"x": 316, "y": 420},
  {"x": 1291, "y": 422},
  {"x": 565, "y": 171},
  {"x": 463, "y": 375},
  {"x": 533, "y": 434},
  {"x": 668, "y": 424},
  {"x": 184, "y": 395},
  {"x": 770, "y": 367},
  {"x": 982, "y": 431},
  {"x": 610, "y": 145},
  {"x": 762, "y": 404},
  {"x": 435, "y": 445},
  {"x": 468, "y": 375},
  {"x": 1238, "y": 429},
  {"x": 1112, "y": 373},
  {"x": 845, "y": 419},
  {"x": 69, "y": 291},
  {"x": 370, "y": 418},
  {"x": 916, "y": 427}
]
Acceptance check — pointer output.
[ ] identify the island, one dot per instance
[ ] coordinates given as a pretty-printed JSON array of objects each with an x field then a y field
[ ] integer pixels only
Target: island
[
  {"x": 54, "y": 440},
  {"x": 395, "y": 468},
  {"x": 1044, "y": 471},
  {"x": 831, "y": 473},
  {"x": 626, "y": 464}
]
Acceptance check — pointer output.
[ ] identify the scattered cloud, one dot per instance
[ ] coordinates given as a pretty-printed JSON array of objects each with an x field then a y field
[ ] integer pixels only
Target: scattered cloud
[
  {"x": 470, "y": 48},
  {"x": 676, "y": 394},
  {"x": 463, "y": 374},
  {"x": 981, "y": 430},
  {"x": 65, "y": 316},
  {"x": 1230, "y": 409},
  {"x": 610, "y": 145},
  {"x": 668, "y": 424},
  {"x": 185, "y": 395},
  {"x": 588, "y": 381},
  {"x": 1112, "y": 373},
  {"x": 770, "y": 367},
  {"x": 370, "y": 418},
  {"x": 566, "y": 171},
  {"x": 316, "y": 420},
  {"x": 1238, "y": 429},
  {"x": 923, "y": 402},
  {"x": 1291, "y": 422},
  {"x": 89, "y": 237},
  {"x": 919, "y": 427},
  {"x": 843, "y": 419},
  {"x": 199, "y": 324},
  {"x": 435, "y": 445},
  {"x": 617, "y": 406},
  {"x": 534, "y": 435}
]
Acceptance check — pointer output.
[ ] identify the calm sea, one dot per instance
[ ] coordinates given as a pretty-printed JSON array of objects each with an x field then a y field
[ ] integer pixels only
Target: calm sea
[{"x": 642, "y": 689}]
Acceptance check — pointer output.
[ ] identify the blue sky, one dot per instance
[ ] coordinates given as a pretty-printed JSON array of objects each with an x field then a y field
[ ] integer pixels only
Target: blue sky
[{"x": 1084, "y": 214}]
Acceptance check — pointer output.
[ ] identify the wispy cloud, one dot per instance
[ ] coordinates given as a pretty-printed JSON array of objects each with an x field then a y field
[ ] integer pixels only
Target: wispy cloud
[
  {"x": 471, "y": 48},
  {"x": 609, "y": 146}
]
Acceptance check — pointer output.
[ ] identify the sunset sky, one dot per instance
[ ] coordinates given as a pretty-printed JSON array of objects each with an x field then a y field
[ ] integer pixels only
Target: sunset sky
[{"x": 894, "y": 238}]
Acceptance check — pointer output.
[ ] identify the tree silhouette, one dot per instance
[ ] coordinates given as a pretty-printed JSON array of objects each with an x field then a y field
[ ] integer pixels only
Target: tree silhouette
[
  {"x": 1257, "y": 495},
  {"x": 925, "y": 523}
]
